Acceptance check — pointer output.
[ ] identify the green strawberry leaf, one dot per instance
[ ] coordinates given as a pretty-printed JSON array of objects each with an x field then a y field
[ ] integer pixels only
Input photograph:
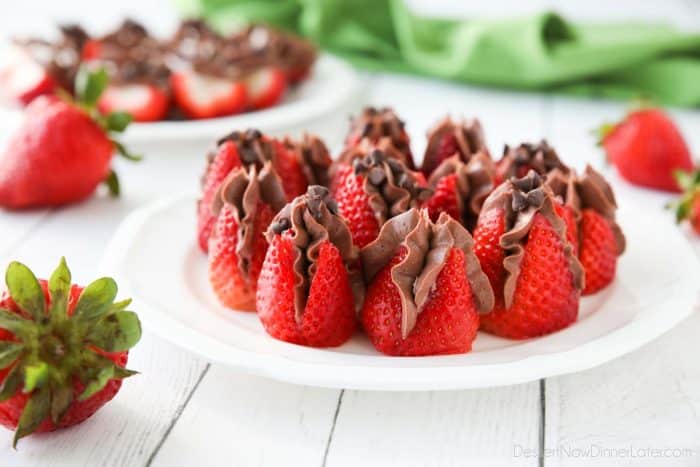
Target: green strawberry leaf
[
  {"x": 124, "y": 152},
  {"x": 116, "y": 332},
  {"x": 89, "y": 86},
  {"x": 9, "y": 351},
  {"x": 121, "y": 373},
  {"x": 25, "y": 290},
  {"x": 112, "y": 182},
  {"x": 119, "y": 306},
  {"x": 35, "y": 412},
  {"x": 98, "y": 383},
  {"x": 59, "y": 289},
  {"x": 12, "y": 383},
  {"x": 96, "y": 299},
  {"x": 61, "y": 400},
  {"x": 14, "y": 323},
  {"x": 35, "y": 376},
  {"x": 118, "y": 121}
]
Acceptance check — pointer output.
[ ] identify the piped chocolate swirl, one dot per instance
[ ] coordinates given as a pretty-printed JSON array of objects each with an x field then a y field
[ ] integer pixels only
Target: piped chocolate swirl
[
  {"x": 518, "y": 161},
  {"x": 313, "y": 156},
  {"x": 427, "y": 247},
  {"x": 521, "y": 199},
  {"x": 463, "y": 138},
  {"x": 312, "y": 219},
  {"x": 377, "y": 125}
]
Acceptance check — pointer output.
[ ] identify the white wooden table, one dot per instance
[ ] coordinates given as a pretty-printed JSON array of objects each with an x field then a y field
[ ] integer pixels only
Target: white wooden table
[{"x": 642, "y": 409}]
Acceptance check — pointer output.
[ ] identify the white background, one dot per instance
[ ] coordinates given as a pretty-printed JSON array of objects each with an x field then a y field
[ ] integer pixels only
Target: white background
[{"x": 183, "y": 411}]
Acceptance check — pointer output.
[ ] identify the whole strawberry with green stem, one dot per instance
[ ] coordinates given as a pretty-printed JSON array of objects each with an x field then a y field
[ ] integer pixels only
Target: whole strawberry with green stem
[
  {"x": 688, "y": 207},
  {"x": 62, "y": 349},
  {"x": 64, "y": 148}
]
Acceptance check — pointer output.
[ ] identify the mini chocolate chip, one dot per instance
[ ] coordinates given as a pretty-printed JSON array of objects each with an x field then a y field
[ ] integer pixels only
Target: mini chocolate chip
[
  {"x": 376, "y": 175},
  {"x": 519, "y": 201},
  {"x": 281, "y": 225},
  {"x": 395, "y": 166},
  {"x": 358, "y": 166},
  {"x": 535, "y": 198}
]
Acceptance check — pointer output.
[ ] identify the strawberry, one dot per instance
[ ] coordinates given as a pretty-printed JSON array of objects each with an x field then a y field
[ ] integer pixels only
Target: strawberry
[
  {"x": 689, "y": 205},
  {"x": 426, "y": 288},
  {"x": 245, "y": 204},
  {"x": 144, "y": 102},
  {"x": 372, "y": 190},
  {"x": 646, "y": 147},
  {"x": 587, "y": 205},
  {"x": 201, "y": 96},
  {"x": 521, "y": 243},
  {"x": 460, "y": 188},
  {"x": 374, "y": 125},
  {"x": 265, "y": 88},
  {"x": 518, "y": 161},
  {"x": 62, "y": 349},
  {"x": 306, "y": 291},
  {"x": 63, "y": 151},
  {"x": 447, "y": 138},
  {"x": 313, "y": 156}
]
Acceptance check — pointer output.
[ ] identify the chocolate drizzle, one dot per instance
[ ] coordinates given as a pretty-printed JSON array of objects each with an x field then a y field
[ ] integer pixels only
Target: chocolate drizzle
[
  {"x": 475, "y": 181},
  {"x": 540, "y": 157},
  {"x": 468, "y": 137},
  {"x": 243, "y": 190},
  {"x": 314, "y": 158},
  {"x": 521, "y": 199},
  {"x": 377, "y": 125},
  {"x": 391, "y": 187},
  {"x": 293, "y": 54},
  {"x": 427, "y": 247},
  {"x": 313, "y": 218}
]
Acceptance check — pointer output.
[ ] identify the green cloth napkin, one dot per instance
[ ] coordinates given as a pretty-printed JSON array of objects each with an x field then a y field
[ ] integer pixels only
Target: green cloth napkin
[{"x": 540, "y": 52}]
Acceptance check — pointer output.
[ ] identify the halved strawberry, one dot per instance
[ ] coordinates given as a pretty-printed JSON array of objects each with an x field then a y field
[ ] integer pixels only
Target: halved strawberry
[
  {"x": 265, "y": 87},
  {"x": 145, "y": 102},
  {"x": 201, "y": 96}
]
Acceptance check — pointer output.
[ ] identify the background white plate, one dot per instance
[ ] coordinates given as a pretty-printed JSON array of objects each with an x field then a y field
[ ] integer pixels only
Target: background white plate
[
  {"x": 321, "y": 104},
  {"x": 155, "y": 260}
]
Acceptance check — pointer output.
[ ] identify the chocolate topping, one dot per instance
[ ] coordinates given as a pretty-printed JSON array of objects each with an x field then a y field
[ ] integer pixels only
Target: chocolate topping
[
  {"x": 475, "y": 181},
  {"x": 391, "y": 187},
  {"x": 540, "y": 157},
  {"x": 521, "y": 199},
  {"x": 313, "y": 218},
  {"x": 469, "y": 140},
  {"x": 293, "y": 54},
  {"x": 253, "y": 147},
  {"x": 427, "y": 247},
  {"x": 243, "y": 190},
  {"x": 131, "y": 55},
  {"x": 314, "y": 158},
  {"x": 376, "y": 125}
]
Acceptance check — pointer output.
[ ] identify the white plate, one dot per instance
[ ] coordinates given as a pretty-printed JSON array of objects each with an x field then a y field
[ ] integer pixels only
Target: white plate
[
  {"x": 156, "y": 261},
  {"x": 319, "y": 104}
]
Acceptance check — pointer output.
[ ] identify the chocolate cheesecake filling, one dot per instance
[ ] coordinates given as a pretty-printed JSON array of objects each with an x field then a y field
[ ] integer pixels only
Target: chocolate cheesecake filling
[
  {"x": 540, "y": 157},
  {"x": 468, "y": 135}
]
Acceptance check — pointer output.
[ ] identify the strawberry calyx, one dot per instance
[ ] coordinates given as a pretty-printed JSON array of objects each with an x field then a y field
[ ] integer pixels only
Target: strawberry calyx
[
  {"x": 52, "y": 349},
  {"x": 607, "y": 128},
  {"x": 689, "y": 182}
]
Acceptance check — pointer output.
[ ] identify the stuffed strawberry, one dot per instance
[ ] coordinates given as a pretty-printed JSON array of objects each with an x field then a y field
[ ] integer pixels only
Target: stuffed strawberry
[
  {"x": 62, "y": 349},
  {"x": 374, "y": 189},
  {"x": 689, "y": 205},
  {"x": 518, "y": 161},
  {"x": 309, "y": 288},
  {"x": 459, "y": 188},
  {"x": 36, "y": 67},
  {"x": 447, "y": 138},
  {"x": 647, "y": 148},
  {"x": 302, "y": 163},
  {"x": 63, "y": 150},
  {"x": 425, "y": 287},
  {"x": 589, "y": 201},
  {"x": 373, "y": 126},
  {"x": 244, "y": 206},
  {"x": 137, "y": 71},
  {"x": 521, "y": 243}
]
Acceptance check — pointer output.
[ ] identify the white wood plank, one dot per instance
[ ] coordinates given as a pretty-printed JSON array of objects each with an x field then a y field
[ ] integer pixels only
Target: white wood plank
[
  {"x": 489, "y": 427},
  {"x": 239, "y": 420}
]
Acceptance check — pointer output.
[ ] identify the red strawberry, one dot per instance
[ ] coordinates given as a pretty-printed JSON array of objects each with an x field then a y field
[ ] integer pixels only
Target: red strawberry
[
  {"x": 62, "y": 152},
  {"x": 221, "y": 162},
  {"x": 245, "y": 204},
  {"x": 266, "y": 88},
  {"x": 377, "y": 125},
  {"x": 426, "y": 288},
  {"x": 521, "y": 244},
  {"x": 446, "y": 198},
  {"x": 145, "y": 103},
  {"x": 287, "y": 163},
  {"x": 305, "y": 291},
  {"x": 598, "y": 251},
  {"x": 518, "y": 161},
  {"x": 373, "y": 190},
  {"x": 689, "y": 205},
  {"x": 62, "y": 349},
  {"x": 201, "y": 96},
  {"x": 448, "y": 138},
  {"x": 646, "y": 148}
]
